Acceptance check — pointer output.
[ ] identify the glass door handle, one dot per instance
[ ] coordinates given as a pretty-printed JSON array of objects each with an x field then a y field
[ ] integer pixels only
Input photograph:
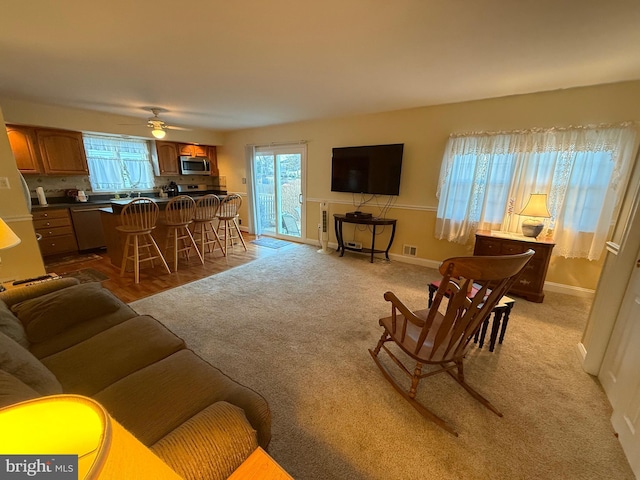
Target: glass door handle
[{"x": 300, "y": 199}]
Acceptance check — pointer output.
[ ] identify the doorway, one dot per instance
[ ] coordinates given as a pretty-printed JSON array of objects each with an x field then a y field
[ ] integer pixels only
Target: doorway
[{"x": 278, "y": 197}]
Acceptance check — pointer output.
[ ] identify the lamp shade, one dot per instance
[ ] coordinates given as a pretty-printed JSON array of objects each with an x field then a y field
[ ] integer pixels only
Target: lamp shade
[
  {"x": 158, "y": 132},
  {"x": 536, "y": 206},
  {"x": 57, "y": 425},
  {"x": 8, "y": 239}
]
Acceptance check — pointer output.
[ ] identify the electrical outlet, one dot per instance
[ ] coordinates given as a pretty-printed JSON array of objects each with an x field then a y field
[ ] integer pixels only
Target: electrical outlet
[
  {"x": 239, "y": 221},
  {"x": 244, "y": 181},
  {"x": 4, "y": 183}
]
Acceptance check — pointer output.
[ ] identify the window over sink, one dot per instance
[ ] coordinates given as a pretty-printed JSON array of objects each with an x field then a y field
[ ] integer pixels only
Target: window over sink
[{"x": 118, "y": 164}]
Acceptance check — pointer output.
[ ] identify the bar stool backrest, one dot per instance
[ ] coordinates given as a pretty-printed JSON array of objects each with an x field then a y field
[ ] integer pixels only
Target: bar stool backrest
[
  {"x": 180, "y": 210},
  {"x": 206, "y": 208},
  {"x": 229, "y": 206},
  {"x": 140, "y": 214}
]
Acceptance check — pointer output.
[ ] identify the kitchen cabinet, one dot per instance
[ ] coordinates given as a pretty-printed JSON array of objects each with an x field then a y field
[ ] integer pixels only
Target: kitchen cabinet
[
  {"x": 62, "y": 152},
  {"x": 24, "y": 148},
  {"x": 213, "y": 158},
  {"x": 530, "y": 282},
  {"x": 167, "y": 157},
  {"x": 192, "y": 150},
  {"x": 56, "y": 228}
]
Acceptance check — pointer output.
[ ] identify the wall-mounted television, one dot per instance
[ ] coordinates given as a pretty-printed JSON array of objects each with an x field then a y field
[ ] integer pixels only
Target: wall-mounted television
[{"x": 373, "y": 169}]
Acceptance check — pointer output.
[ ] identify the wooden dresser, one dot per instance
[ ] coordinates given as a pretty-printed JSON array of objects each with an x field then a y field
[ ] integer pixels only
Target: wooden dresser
[
  {"x": 530, "y": 283},
  {"x": 56, "y": 228}
]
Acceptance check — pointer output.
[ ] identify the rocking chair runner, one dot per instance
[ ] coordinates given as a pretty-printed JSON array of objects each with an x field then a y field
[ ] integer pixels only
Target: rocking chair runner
[{"x": 435, "y": 338}]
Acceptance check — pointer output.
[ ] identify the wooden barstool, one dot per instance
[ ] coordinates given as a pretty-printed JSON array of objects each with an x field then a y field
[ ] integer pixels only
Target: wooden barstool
[
  {"x": 204, "y": 231},
  {"x": 138, "y": 219},
  {"x": 178, "y": 215},
  {"x": 228, "y": 216}
]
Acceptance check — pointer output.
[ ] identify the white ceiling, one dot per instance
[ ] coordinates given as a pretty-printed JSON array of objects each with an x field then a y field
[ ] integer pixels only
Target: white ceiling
[{"x": 229, "y": 64}]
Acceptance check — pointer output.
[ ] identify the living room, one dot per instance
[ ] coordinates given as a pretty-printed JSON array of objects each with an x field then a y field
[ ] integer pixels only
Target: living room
[{"x": 424, "y": 130}]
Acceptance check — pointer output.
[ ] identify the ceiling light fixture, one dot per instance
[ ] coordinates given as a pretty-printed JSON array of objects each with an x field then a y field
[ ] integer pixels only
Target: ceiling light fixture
[{"x": 158, "y": 132}]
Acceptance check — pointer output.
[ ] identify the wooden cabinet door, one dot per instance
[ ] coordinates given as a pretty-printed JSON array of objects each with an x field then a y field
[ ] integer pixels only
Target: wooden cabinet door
[
  {"x": 23, "y": 146},
  {"x": 167, "y": 158},
  {"x": 213, "y": 158},
  {"x": 192, "y": 150},
  {"x": 62, "y": 152}
]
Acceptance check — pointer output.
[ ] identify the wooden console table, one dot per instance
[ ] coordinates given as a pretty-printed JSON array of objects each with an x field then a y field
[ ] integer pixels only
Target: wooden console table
[
  {"x": 371, "y": 221},
  {"x": 260, "y": 466},
  {"x": 530, "y": 282}
]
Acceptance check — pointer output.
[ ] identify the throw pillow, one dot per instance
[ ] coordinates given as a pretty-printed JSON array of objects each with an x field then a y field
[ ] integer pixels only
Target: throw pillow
[
  {"x": 20, "y": 363},
  {"x": 47, "y": 315},
  {"x": 13, "y": 390},
  {"x": 11, "y": 326}
]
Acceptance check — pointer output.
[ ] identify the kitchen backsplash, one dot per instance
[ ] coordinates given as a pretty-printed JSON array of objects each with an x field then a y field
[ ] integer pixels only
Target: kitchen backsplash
[{"x": 55, "y": 186}]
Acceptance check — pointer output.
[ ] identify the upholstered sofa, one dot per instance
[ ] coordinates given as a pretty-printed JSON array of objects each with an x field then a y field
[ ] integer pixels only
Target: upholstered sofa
[{"x": 60, "y": 336}]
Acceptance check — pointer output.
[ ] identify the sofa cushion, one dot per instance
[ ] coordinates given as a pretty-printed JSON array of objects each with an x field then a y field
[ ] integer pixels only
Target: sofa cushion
[
  {"x": 47, "y": 315},
  {"x": 13, "y": 390},
  {"x": 171, "y": 391},
  {"x": 112, "y": 354},
  {"x": 11, "y": 326},
  {"x": 17, "y": 361},
  {"x": 211, "y": 445}
]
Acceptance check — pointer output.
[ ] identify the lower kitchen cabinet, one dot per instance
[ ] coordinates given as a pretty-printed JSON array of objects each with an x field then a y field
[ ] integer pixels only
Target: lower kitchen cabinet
[
  {"x": 56, "y": 229},
  {"x": 530, "y": 282}
]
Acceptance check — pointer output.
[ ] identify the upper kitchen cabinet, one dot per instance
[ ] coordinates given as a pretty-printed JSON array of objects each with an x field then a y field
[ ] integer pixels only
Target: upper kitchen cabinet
[
  {"x": 213, "y": 158},
  {"x": 192, "y": 150},
  {"x": 24, "y": 148},
  {"x": 62, "y": 152},
  {"x": 167, "y": 157}
]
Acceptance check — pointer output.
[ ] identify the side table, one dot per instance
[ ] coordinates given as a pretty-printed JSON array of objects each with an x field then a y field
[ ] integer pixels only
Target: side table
[
  {"x": 339, "y": 219},
  {"x": 501, "y": 313},
  {"x": 260, "y": 466}
]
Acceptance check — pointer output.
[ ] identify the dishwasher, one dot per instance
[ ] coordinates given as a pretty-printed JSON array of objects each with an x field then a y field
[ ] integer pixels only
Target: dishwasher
[{"x": 88, "y": 226}]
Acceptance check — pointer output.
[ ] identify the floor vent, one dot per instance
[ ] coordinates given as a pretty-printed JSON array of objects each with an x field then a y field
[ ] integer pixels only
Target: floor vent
[{"x": 409, "y": 250}]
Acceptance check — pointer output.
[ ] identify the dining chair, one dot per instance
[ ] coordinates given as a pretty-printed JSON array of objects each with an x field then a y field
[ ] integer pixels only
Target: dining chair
[
  {"x": 440, "y": 336},
  {"x": 138, "y": 219}
]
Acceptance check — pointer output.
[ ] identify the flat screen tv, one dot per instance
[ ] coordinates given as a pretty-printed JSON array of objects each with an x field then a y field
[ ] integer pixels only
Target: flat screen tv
[{"x": 373, "y": 169}]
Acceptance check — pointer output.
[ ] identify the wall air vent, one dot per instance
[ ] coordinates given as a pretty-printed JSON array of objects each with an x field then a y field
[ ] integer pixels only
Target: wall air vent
[{"x": 409, "y": 250}]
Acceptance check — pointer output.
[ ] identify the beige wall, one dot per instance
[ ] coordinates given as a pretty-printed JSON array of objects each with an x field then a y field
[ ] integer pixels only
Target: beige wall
[
  {"x": 424, "y": 131},
  {"x": 24, "y": 260}
]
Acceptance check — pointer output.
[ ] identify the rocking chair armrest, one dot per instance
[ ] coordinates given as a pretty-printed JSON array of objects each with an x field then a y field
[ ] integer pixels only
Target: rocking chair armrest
[{"x": 404, "y": 310}]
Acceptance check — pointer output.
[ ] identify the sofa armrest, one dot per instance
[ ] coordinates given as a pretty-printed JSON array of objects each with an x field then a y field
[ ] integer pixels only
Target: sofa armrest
[
  {"x": 210, "y": 445},
  {"x": 17, "y": 295}
]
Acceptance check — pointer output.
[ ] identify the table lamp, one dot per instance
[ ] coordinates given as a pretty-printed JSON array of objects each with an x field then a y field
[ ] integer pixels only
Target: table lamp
[
  {"x": 74, "y": 435},
  {"x": 534, "y": 210},
  {"x": 8, "y": 239}
]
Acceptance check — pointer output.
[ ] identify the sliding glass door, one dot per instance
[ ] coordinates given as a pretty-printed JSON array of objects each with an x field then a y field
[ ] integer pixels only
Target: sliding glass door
[{"x": 278, "y": 174}]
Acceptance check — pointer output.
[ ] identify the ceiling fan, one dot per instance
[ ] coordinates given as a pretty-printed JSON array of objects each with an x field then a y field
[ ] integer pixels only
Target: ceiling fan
[{"x": 158, "y": 125}]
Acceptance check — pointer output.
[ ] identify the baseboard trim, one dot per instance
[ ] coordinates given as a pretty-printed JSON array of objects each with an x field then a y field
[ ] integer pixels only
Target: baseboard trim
[{"x": 569, "y": 290}]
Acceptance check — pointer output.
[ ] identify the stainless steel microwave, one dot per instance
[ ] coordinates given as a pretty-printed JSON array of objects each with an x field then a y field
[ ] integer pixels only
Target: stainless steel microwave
[{"x": 194, "y": 165}]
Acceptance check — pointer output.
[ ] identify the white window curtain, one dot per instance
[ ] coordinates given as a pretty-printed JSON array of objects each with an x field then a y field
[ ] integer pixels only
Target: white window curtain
[
  {"x": 118, "y": 164},
  {"x": 486, "y": 179}
]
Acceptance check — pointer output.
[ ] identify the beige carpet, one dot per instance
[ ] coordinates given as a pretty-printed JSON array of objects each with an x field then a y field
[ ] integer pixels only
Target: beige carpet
[{"x": 296, "y": 326}]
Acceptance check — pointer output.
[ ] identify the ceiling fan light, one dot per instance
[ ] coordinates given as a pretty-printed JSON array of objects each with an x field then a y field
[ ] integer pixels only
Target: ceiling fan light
[{"x": 158, "y": 132}]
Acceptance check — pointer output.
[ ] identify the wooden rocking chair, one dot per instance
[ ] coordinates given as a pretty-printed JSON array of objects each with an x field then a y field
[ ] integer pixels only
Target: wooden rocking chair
[{"x": 432, "y": 337}]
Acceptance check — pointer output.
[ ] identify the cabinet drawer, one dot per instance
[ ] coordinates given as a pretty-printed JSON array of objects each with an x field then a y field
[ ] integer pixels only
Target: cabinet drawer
[
  {"x": 59, "y": 244},
  {"x": 55, "y": 231},
  {"x": 51, "y": 223},
  {"x": 487, "y": 247},
  {"x": 47, "y": 214},
  {"x": 512, "y": 248}
]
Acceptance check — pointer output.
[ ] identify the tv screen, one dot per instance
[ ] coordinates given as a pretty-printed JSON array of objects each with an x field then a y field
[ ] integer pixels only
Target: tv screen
[{"x": 373, "y": 169}]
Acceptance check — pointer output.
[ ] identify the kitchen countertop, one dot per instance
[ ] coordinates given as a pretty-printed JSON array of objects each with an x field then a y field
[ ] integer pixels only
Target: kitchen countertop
[{"x": 102, "y": 202}]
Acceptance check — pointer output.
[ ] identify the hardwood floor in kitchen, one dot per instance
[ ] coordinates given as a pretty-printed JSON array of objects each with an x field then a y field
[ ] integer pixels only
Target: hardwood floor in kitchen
[{"x": 156, "y": 279}]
